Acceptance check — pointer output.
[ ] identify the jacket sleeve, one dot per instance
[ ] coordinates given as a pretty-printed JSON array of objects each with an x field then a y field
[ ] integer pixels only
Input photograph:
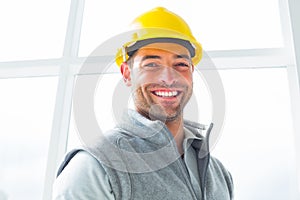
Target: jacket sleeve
[{"x": 82, "y": 178}]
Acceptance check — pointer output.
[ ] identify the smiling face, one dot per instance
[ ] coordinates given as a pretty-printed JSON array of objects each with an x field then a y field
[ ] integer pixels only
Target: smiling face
[{"x": 160, "y": 75}]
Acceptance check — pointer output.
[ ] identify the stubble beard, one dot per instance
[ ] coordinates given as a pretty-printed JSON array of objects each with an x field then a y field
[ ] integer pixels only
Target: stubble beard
[{"x": 146, "y": 106}]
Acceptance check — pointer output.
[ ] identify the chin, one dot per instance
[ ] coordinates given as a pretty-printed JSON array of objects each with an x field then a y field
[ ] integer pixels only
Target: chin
[{"x": 165, "y": 116}]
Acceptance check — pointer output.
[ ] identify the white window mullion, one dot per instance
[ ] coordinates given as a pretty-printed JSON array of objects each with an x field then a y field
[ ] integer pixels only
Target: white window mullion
[
  {"x": 252, "y": 58},
  {"x": 60, "y": 128},
  {"x": 30, "y": 68},
  {"x": 290, "y": 22},
  {"x": 232, "y": 59},
  {"x": 294, "y": 7}
]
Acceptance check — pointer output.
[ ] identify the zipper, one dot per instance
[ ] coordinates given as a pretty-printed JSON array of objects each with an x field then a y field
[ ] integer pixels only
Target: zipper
[
  {"x": 187, "y": 180},
  {"x": 207, "y": 157},
  {"x": 184, "y": 170},
  {"x": 182, "y": 167},
  {"x": 206, "y": 160}
]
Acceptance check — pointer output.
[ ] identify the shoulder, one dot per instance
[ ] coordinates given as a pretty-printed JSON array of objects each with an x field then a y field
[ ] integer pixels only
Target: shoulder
[
  {"x": 82, "y": 162},
  {"x": 217, "y": 166},
  {"x": 83, "y": 177},
  {"x": 221, "y": 174}
]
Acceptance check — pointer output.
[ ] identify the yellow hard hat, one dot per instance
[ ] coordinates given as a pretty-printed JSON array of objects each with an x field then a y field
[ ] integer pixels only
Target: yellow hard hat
[{"x": 159, "y": 25}]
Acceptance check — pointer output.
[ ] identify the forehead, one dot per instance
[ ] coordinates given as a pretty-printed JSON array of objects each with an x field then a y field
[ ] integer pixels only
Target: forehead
[{"x": 160, "y": 48}]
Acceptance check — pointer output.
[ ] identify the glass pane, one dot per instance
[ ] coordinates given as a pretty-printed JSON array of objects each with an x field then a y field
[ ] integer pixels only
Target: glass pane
[
  {"x": 32, "y": 29},
  {"x": 257, "y": 144},
  {"x": 103, "y": 106},
  {"x": 27, "y": 106},
  {"x": 217, "y": 24}
]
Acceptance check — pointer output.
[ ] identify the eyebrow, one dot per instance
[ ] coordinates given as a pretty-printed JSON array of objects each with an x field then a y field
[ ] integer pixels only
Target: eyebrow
[
  {"x": 151, "y": 57},
  {"x": 185, "y": 56}
]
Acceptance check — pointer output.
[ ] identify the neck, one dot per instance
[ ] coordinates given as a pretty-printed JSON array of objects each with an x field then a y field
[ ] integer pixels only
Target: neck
[{"x": 176, "y": 129}]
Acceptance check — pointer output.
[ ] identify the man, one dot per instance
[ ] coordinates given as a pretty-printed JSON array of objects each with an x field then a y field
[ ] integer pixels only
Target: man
[{"x": 154, "y": 153}]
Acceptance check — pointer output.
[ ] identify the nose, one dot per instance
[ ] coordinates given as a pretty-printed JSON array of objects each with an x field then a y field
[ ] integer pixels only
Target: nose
[{"x": 168, "y": 76}]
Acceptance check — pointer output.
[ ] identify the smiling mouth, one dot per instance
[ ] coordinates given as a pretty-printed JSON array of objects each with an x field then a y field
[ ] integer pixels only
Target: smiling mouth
[{"x": 166, "y": 94}]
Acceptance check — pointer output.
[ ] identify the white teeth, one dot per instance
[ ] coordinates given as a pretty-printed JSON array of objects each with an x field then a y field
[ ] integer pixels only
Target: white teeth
[{"x": 166, "y": 94}]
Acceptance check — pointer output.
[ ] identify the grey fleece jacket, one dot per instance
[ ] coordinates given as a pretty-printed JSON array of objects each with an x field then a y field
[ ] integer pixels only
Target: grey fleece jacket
[{"x": 139, "y": 160}]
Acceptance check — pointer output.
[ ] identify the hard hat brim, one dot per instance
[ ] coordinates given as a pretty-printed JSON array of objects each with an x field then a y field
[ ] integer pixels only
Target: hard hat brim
[{"x": 130, "y": 50}]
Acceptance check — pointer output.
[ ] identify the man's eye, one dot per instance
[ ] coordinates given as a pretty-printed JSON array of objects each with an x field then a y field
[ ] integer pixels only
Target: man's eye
[
  {"x": 151, "y": 65},
  {"x": 182, "y": 64}
]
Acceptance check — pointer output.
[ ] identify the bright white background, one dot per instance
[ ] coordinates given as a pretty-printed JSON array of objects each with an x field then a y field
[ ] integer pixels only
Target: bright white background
[
  {"x": 218, "y": 24},
  {"x": 39, "y": 40}
]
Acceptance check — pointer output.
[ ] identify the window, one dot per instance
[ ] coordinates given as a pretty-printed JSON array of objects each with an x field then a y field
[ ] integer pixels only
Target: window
[
  {"x": 257, "y": 143},
  {"x": 32, "y": 29},
  {"x": 45, "y": 43},
  {"x": 27, "y": 106},
  {"x": 217, "y": 24}
]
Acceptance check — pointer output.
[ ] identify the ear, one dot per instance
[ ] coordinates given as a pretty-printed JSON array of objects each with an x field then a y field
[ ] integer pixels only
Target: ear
[
  {"x": 125, "y": 70},
  {"x": 193, "y": 68}
]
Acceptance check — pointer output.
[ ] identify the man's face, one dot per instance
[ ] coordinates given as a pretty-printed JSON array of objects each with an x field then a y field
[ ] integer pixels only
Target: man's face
[{"x": 161, "y": 80}]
